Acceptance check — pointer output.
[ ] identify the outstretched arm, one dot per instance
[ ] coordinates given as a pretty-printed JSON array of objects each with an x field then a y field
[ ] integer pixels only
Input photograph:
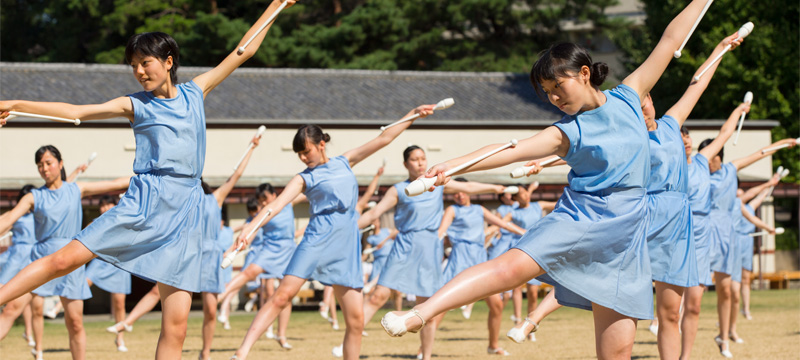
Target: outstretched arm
[
  {"x": 645, "y": 77},
  {"x": 222, "y": 192},
  {"x": 362, "y": 152},
  {"x": 496, "y": 220},
  {"x": 447, "y": 220},
  {"x": 758, "y": 155},
  {"x": 755, "y": 190},
  {"x": 389, "y": 201},
  {"x": 473, "y": 188},
  {"x": 119, "y": 107},
  {"x": 102, "y": 187},
  {"x": 725, "y": 132},
  {"x": 210, "y": 79},
  {"x": 757, "y": 221},
  {"x": 756, "y": 203},
  {"x": 8, "y": 219},
  {"x": 681, "y": 110},
  {"x": 292, "y": 189},
  {"x": 364, "y": 199}
]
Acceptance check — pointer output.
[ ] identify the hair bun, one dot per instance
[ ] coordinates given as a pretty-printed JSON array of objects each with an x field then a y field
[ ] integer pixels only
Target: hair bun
[
  {"x": 599, "y": 73},
  {"x": 326, "y": 137}
]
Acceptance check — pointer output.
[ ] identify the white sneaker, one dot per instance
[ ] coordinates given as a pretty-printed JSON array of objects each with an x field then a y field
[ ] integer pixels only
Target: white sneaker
[
  {"x": 222, "y": 318},
  {"x": 226, "y": 325},
  {"x": 283, "y": 343},
  {"x": 654, "y": 329},
  {"x": 270, "y": 334},
  {"x": 36, "y": 354},
  {"x": 513, "y": 319},
  {"x": 531, "y": 337},
  {"x": 120, "y": 346},
  {"x": 51, "y": 314},
  {"x": 338, "y": 351},
  {"x": 31, "y": 342},
  {"x": 466, "y": 312},
  {"x": 248, "y": 306},
  {"x": 335, "y": 326},
  {"x": 113, "y": 328}
]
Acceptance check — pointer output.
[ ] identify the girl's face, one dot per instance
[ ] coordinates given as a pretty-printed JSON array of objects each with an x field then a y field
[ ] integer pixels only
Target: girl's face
[
  {"x": 151, "y": 72},
  {"x": 569, "y": 93},
  {"x": 49, "y": 168},
  {"x": 313, "y": 155},
  {"x": 265, "y": 198},
  {"x": 506, "y": 199},
  {"x": 649, "y": 112},
  {"x": 105, "y": 207},
  {"x": 687, "y": 144},
  {"x": 522, "y": 197},
  {"x": 461, "y": 198},
  {"x": 416, "y": 164}
]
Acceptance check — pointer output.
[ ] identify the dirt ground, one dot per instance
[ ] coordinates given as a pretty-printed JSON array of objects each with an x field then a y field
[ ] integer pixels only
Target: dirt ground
[{"x": 774, "y": 333}]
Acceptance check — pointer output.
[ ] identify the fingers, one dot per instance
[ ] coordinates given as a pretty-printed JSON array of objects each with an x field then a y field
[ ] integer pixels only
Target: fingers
[
  {"x": 256, "y": 140},
  {"x": 424, "y": 110}
]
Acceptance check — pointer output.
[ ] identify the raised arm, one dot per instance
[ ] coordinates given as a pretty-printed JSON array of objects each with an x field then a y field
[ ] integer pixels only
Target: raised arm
[
  {"x": 389, "y": 201},
  {"x": 364, "y": 199},
  {"x": 8, "y": 218},
  {"x": 645, "y": 77},
  {"x": 119, "y": 107},
  {"x": 78, "y": 170},
  {"x": 496, "y": 220},
  {"x": 292, "y": 189},
  {"x": 222, "y": 192},
  {"x": 447, "y": 220},
  {"x": 473, "y": 188},
  {"x": 210, "y": 79},
  {"x": 757, "y": 221},
  {"x": 758, "y": 155},
  {"x": 549, "y": 141},
  {"x": 755, "y": 190},
  {"x": 681, "y": 110},
  {"x": 756, "y": 203},
  {"x": 102, "y": 187},
  {"x": 725, "y": 132},
  {"x": 362, "y": 152}
]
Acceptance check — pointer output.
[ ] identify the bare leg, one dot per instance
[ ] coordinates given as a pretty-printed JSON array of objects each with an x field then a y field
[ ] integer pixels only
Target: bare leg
[
  {"x": 209, "y": 322},
  {"x": 533, "y": 298},
  {"x": 144, "y": 306},
  {"x": 542, "y": 310},
  {"x": 233, "y": 287},
  {"x": 502, "y": 273},
  {"x": 353, "y": 312},
  {"x": 58, "y": 264},
  {"x": 175, "y": 305},
  {"x": 516, "y": 296},
  {"x": 330, "y": 299},
  {"x": 73, "y": 319},
  {"x": 735, "y": 288},
  {"x": 37, "y": 312},
  {"x": 11, "y": 312},
  {"x": 723, "y": 283},
  {"x": 427, "y": 335},
  {"x": 746, "y": 278},
  {"x": 375, "y": 300},
  {"x": 614, "y": 333},
  {"x": 495, "y": 303},
  {"x": 691, "y": 316},
  {"x": 267, "y": 313},
  {"x": 26, "y": 318},
  {"x": 118, "y": 306},
  {"x": 668, "y": 300},
  {"x": 283, "y": 321}
]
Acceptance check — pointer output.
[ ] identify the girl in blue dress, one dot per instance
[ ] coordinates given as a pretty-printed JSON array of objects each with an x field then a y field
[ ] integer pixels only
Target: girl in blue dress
[
  {"x": 19, "y": 256},
  {"x": 414, "y": 264},
  {"x": 156, "y": 230},
  {"x": 724, "y": 257},
  {"x": 594, "y": 240},
  {"x": 111, "y": 279},
  {"x": 463, "y": 223},
  {"x": 382, "y": 240},
  {"x": 57, "y": 216},
  {"x": 330, "y": 251}
]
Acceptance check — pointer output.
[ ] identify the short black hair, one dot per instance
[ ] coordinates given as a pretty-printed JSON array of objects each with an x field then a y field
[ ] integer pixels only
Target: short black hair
[
  {"x": 261, "y": 188},
  {"x": 252, "y": 204},
  {"x": 407, "y": 152},
  {"x": 56, "y": 154},
  {"x": 156, "y": 44},
  {"x": 707, "y": 142},
  {"x": 24, "y": 191},
  {"x": 561, "y": 59},
  {"x": 107, "y": 199},
  {"x": 308, "y": 132}
]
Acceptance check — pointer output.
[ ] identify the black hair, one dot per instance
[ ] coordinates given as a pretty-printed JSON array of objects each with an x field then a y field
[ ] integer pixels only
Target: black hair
[
  {"x": 261, "y": 188},
  {"x": 205, "y": 186},
  {"x": 56, "y": 154},
  {"x": 107, "y": 199},
  {"x": 407, "y": 152},
  {"x": 252, "y": 204},
  {"x": 565, "y": 59},
  {"x": 156, "y": 44},
  {"x": 224, "y": 215},
  {"x": 684, "y": 130},
  {"x": 461, "y": 179},
  {"x": 24, "y": 191},
  {"x": 707, "y": 142},
  {"x": 308, "y": 132}
]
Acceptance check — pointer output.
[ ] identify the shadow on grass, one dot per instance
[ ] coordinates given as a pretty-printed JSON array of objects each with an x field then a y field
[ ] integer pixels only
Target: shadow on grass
[
  {"x": 646, "y": 342},
  {"x": 48, "y": 351}
]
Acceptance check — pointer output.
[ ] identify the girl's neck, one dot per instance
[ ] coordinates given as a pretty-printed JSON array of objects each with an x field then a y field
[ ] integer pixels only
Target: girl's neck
[
  {"x": 55, "y": 185},
  {"x": 596, "y": 99},
  {"x": 166, "y": 91}
]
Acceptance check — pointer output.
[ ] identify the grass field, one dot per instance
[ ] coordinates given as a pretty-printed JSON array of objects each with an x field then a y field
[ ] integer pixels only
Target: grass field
[{"x": 774, "y": 333}]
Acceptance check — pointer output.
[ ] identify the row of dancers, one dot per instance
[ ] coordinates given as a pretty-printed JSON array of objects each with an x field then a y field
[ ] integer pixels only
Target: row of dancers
[{"x": 621, "y": 198}]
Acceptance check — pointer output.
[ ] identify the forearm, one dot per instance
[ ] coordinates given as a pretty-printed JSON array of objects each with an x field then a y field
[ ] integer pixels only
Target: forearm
[
  {"x": 756, "y": 203},
  {"x": 755, "y": 220},
  {"x": 544, "y": 144},
  {"x": 256, "y": 43},
  {"x": 754, "y": 191},
  {"x": 71, "y": 177},
  {"x": 681, "y": 110}
]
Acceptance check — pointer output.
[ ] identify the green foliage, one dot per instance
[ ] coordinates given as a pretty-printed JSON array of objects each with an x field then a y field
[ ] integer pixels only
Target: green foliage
[{"x": 766, "y": 63}]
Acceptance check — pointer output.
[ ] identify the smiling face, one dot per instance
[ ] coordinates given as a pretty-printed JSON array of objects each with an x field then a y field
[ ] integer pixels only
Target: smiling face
[
  {"x": 416, "y": 164},
  {"x": 152, "y": 73},
  {"x": 49, "y": 168},
  {"x": 313, "y": 155}
]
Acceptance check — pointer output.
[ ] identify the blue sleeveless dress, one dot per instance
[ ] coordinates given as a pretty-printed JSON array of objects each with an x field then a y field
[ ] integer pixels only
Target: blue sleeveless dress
[
  {"x": 669, "y": 235},
  {"x": 225, "y": 240},
  {"x": 255, "y": 245},
  {"x": 108, "y": 277},
  {"x": 57, "y": 218},
  {"x": 158, "y": 228},
  {"x": 19, "y": 253},
  {"x": 381, "y": 254},
  {"x": 593, "y": 245},
  {"x": 526, "y": 218},
  {"x": 414, "y": 266},
  {"x": 277, "y": 244},
  {"x": 746, "y": 242},
  {"x": 723, "y": 247},
  {"x": 467, "y": 238},
  {"x": 211, "y": 273},
  {"x": 700, "y": 203},
  {"x": 503, "y": 244},
  {"x": 736, "y": 220},
  {"x": 330, "y": 251}
]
